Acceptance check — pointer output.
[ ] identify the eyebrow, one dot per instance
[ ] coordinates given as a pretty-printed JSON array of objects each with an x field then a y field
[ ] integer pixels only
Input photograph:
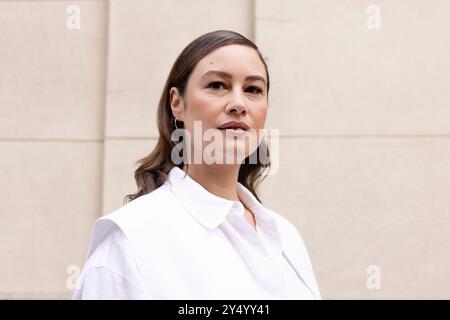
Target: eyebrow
[{"x": 228, "y": 76}]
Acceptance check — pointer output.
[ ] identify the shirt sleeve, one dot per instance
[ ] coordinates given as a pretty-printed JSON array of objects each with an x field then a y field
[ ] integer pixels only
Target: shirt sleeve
[
  {"x": 101, "y": 283},
  {"x": 111, "y": 271}
]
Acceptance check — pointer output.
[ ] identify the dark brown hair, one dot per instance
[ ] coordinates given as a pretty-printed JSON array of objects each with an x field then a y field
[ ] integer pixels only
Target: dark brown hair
[{"x": 154, "y": 168}]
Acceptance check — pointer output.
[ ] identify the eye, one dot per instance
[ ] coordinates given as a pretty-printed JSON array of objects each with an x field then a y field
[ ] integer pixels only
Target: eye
[
  {"x": 216, "y": 85},
  {"x": 255, "y": 90}
]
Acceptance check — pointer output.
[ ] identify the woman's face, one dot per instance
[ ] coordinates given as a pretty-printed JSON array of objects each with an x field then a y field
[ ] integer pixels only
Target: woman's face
[{"x": 229, "y": 84}]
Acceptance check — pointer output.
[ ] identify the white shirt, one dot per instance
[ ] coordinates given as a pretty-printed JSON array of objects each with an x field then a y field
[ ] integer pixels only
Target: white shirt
[{"x": 182, "y": 242}]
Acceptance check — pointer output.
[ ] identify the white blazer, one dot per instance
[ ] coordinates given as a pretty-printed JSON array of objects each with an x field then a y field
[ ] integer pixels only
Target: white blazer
[{"x": 182, "y": 242}]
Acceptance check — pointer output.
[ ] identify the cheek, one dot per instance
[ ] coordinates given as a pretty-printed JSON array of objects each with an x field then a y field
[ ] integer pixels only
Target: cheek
[
  {"x": 202, "y": 108},
  {"x": 260, "y": 115}
]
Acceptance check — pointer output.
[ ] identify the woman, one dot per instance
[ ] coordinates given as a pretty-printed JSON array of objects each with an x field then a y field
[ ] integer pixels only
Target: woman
[{"x": 196, "y": 229}]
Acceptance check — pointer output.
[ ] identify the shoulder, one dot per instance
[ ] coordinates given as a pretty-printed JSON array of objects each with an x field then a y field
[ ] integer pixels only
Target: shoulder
[
  {"x": 289, "y": 233},
  {"x": 283, "y": 224},
  {"x": 146, "y": 205},
  {"x": 110, "y": 271},
  {"x": 112, "y": 250},
  {"x": 146, "y": 210},
  {"x": 142, "y": 219}
]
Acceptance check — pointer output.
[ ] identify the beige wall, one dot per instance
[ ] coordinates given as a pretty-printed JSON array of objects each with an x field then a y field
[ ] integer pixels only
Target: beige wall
[{"x": 363, "y": 115}]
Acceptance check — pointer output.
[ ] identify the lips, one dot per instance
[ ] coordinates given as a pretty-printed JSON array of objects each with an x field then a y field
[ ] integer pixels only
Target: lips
[{"x": 234, "y": 125}]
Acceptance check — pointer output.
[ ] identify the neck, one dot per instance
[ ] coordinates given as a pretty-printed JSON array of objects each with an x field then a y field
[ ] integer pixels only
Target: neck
[{"x": 220, "y": 180}]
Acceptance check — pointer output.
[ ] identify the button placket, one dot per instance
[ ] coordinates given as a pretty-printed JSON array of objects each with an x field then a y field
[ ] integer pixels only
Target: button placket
[{"x": 269, "y": 270}]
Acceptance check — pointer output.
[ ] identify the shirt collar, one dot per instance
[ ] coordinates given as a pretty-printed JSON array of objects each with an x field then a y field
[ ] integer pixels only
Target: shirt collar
[{"x": 209, "y": 209}]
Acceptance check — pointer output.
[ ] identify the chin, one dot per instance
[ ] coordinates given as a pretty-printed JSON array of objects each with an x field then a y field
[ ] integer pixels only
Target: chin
[{"x": 236, "y": 154}]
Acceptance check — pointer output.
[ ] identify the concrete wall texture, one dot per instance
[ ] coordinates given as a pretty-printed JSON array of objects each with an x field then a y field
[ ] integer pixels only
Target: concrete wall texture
[{"x": 359, "y": 91}]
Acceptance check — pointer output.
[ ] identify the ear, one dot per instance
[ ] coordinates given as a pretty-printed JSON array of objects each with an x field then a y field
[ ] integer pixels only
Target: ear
[{"x": 176, "y": 103}]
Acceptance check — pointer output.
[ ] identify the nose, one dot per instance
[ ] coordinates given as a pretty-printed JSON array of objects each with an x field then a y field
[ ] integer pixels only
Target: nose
[{"x": 237, "y": 103}]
